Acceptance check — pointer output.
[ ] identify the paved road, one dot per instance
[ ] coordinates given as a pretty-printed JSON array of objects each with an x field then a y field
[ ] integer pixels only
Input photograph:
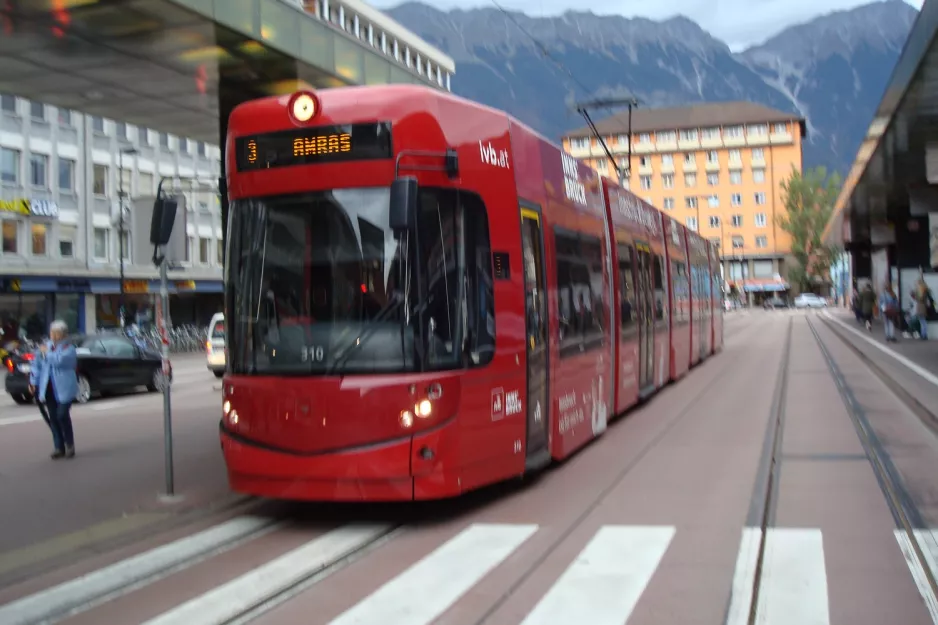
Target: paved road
[
  {"x": 676, "y": 515},
  {"x": 118, "y": 469}
]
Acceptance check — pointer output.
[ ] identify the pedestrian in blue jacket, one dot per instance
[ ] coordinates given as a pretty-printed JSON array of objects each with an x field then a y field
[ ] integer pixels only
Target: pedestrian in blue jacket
[{"x": 54, "y": 382}]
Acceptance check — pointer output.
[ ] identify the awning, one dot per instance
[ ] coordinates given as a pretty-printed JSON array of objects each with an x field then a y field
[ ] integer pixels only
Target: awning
[{"x": 763, "y": 286}]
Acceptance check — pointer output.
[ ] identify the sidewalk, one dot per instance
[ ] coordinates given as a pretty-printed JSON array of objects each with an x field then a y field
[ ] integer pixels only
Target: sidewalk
[{"x": 910, "y": 362}]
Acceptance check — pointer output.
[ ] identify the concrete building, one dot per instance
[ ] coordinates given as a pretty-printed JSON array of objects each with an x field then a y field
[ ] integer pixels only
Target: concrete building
[
  {"x": 173, "y": 80},
  {"x": 717, "y": 168}
]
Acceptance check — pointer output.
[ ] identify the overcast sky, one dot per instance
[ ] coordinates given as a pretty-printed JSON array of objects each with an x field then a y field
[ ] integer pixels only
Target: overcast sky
[{"x": 739, "y": 23}]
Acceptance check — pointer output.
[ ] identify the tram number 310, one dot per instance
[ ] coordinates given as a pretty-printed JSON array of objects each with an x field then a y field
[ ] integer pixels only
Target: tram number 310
[{"x": 316, "y": 353}]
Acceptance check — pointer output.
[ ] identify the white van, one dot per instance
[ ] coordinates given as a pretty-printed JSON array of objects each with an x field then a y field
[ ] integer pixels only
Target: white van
[{"x": 215, "y": 345}]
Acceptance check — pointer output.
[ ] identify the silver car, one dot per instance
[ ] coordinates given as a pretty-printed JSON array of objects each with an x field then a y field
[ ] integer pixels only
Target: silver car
[{"x": 810, "y": 300}]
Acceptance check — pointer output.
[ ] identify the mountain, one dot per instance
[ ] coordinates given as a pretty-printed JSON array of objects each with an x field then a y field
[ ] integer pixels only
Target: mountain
[{"x": 831, "y": 70}]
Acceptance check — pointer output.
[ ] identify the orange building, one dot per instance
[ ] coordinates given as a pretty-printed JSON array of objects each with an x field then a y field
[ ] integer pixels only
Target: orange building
[{"x": 718, "y": 168}]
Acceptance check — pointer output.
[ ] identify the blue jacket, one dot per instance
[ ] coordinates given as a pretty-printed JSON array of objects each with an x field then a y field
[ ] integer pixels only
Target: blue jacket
[{"x": 59, "y": 364}]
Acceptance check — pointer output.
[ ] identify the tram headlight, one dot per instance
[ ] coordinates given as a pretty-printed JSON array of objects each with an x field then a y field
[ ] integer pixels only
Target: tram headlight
[
  {"x": 407, "y": 419},
  {"x": 424, "y": 408},
  {"x": 226, "y": 407}
]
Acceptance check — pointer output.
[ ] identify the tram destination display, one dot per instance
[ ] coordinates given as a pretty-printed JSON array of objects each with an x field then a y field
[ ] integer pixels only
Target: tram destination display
[{"x": 316, "y": 144}]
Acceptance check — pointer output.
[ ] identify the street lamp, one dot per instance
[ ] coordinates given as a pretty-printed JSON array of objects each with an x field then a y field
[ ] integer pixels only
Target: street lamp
[{"x": 120, "y": 227}]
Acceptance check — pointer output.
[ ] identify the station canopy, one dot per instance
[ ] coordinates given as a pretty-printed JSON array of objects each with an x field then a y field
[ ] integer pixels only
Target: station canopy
[
  {"x": 173, "y": 65},
  {"x": 898, "y": 157}
]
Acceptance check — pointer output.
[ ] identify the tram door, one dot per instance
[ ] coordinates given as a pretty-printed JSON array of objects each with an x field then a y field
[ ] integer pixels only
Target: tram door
[
  {"x": 535, "y": 302},
  {"x": 645, "y": 291}
]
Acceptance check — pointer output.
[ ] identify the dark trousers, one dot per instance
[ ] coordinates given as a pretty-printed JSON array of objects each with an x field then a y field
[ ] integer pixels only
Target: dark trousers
[{"x": 59, "y": 418}]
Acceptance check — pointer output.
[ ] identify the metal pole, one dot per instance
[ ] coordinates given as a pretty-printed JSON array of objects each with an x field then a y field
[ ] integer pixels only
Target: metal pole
[
  {"x": 120, "y": 234},
  {"x": 167, "y": 408}
]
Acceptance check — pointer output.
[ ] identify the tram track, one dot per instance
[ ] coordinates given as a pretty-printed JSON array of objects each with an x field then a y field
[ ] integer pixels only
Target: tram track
[{"x": 899, "y": 501}]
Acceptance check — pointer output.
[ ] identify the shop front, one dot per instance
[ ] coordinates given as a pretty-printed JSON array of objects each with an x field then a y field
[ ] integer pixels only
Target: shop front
[
  {"x": 191, "y": 302},
  {"x": 29, "y": 304}
]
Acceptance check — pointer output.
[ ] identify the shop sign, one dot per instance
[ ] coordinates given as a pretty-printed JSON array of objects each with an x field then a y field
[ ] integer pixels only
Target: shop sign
[
  {"x": 10, "y": 285},
  {"x": 35, "y": 208},
  {"x": 74, "y": 284},
  {"x": 185, "y": 285},
  {"x": 136, "y": 286}
]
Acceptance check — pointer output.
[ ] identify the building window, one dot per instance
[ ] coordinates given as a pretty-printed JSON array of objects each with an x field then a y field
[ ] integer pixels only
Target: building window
[
  {"x": 144, "y": 183},
  {"x": 667, "y": 159},
  {"x": 65, "y": 118},
  {"x": 205, "y": 246},
  {"x": 713, "y": 179},
  {"x": 760, "y": 220},
  {"x": 644, "y": 137},
  {"x": 736, "y": 199},
  {"x": 713, "y": 157},
  {"x": 66, "y": 174},
  {"x": 713, "y": 201},
  {"x": 100, "y": 244},
  {"x": 99, "y": 185},
  {"x": 733, "y": 131},
  {"x": 737, "y": 242},
  {"x": 10, "y": 236},
  {"x": 667, "y": 181},
  {"x": 762, "y": 241},
  {"x": 221, "y": 252},
  {"x": 758, "y": 175},
  {"x": 758, "y": 130},
  {"x": 66, "y": 242},
  {"x": 8, "y": 104},
  {"x": 690, "y": 180},
  {"x": 736, "y": 177},
  {"x": 143, "y": 137},
  {"x": 710, "y": 133},
  {"x": 780, "y": 129},
  {"x": 644, "y": 161},
  {"x": 39, "y": 236},
  {"x": 97, "y": 125},
  {"x": 760, "y": 198},
  {"x": 691, "y": 222},
  {"x": 190, "y": 248},
  {"x": 714, "y": 221},
  {"x": 758, "y": 154},
  {"x": 183, "y": 145},
  {"x": 200, "y": 148},
  {"x": 9, "y": 166},
  {"x": 37, "y": 110},
  {"x": 735, "y": 156},
  {"x": 120, "y": 130},
  {"x": 689, "y": 135},
  {"x": 667, "y": 136},
  {"x": 645, "y": 182},
  {"x": 578, "y": 143},
  {"x": 600, "y": 164},
  {"x": 164, "y": 140},
  {"x": 38, "y": 175},
  {"x": 690, "y": 202},
  {"x": 689, "y": 159},
  {"x": 669, "y": 203},
  {"x": 125, "y": 243},
  {"x": 737, "y": 221}
]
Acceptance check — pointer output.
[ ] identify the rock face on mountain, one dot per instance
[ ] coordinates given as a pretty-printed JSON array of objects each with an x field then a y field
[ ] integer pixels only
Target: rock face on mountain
[{"x": 831, "y": 70}]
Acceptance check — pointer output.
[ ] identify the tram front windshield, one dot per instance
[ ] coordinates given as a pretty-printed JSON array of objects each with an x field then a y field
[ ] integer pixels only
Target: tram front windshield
[{"x": 317, "y": 283}]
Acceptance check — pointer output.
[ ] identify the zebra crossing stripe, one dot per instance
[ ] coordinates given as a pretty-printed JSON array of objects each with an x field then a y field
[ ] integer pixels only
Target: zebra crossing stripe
[
  {"x": 230, "y": 600},
  {"x": 429, "y": 587},
  {"x": 606, "y": 580},
  {"x": 927, "y": 542},
  {"x": 126, "y": 575},
  {"x": 793, "y": 587}
]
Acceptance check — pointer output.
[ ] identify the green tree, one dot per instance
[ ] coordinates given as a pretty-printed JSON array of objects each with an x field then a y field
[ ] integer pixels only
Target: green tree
[{"x": 809, "y": 200}]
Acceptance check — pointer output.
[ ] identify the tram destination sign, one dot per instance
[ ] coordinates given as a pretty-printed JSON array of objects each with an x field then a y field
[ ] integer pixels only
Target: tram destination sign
[{"x": 317, "y": 144}]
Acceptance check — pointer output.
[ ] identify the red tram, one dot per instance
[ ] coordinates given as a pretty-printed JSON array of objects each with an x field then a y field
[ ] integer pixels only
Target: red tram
[{"x": 424, "y": 296}]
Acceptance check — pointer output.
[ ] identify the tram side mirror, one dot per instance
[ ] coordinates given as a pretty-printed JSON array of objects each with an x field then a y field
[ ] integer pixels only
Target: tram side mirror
[
  {"x": 403, "y": 207},
  {"x": 164, "y": 216}
]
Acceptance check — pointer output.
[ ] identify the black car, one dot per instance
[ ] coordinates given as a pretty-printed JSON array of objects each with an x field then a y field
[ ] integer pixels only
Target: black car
[{"x": 106, "y": 363}]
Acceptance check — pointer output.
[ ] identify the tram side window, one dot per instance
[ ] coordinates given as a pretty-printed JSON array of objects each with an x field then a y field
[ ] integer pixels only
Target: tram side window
[
  {"x": 579, "y": 286},
  {"x": 679, "y": 277},
  {"x": 661, "y": 303},
  {"x": 626, "y": 287}
]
